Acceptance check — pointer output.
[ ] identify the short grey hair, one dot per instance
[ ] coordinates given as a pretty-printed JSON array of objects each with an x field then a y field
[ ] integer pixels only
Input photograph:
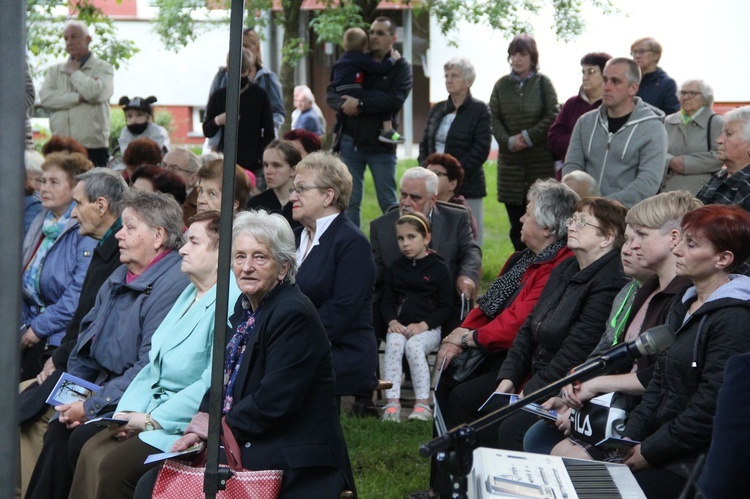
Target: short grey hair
[
  {"x": 742, "y": 115},
  {"x": 554, "y": 203},
  {"x": 157, "y": 209},
  {"x": 33, "y": 162},
  {"x": 633, "y": 72},
  {"x": 107, "y": 184},
  {"x": 419, "y": 173},
  {"x": 466, "y": 67},
  {"x": 79, "y": 25},
  {"x": 194, "y": 163},
  {"x": 592, "y": 186},
  {"x": 272, "y": 230},
  {"x": 306, "y": 92},
  {"x": 706, "y": 90}
]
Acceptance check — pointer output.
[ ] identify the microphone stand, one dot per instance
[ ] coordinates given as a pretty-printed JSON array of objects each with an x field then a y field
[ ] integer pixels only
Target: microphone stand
[{"x": 455, "y": 448}]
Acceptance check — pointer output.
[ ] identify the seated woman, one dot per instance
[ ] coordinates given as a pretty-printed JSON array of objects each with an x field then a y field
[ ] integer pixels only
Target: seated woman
[
  {"x": 162, "y": 398},
  {"x": 279, "y": 160},
  {"x": 140, "y": 152},
  {"x": 152, "y": 178},
  {"x": 55, "y": 259},
  {"x": 450, "y": 175},
  {"x": 209, "y": 186},
  {"x": 280, "y": 391},
  {"x": 331, "y": 251},
  {"x": 305, "y": 141},
  {"x": 32, "y": 201},
  {"x": 116, "y": 335},
  {"x": 501, "y": 311},
  {"x": 674, "y": 420},
  {"x": 566, "y": 323}
]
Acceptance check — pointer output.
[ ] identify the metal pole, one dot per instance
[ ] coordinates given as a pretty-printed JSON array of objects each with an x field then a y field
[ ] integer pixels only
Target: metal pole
[
  {"x": 12, "y": 144},
  {"x": 409, "y": 103},
  {"x": 211, "y": 479}
]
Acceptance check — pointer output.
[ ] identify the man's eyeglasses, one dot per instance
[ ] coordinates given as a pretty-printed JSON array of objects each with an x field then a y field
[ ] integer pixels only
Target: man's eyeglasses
[
  {"x": 174, "y": 168},
  {"x": 580, "y": 223}
]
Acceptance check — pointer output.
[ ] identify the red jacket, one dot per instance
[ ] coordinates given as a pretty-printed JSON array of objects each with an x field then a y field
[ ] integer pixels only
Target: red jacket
[{"x": 498, "y": 334}]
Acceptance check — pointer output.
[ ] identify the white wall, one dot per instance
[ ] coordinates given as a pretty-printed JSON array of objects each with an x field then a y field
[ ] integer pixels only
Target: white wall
[{"x": 701, "y": 39}]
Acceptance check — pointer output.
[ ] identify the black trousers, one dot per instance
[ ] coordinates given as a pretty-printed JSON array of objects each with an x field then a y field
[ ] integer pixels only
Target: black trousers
[
  {"x": 515, "y": 212},
  {"x": 99, "y": 155},
  {"x": 53, "y": 473}
]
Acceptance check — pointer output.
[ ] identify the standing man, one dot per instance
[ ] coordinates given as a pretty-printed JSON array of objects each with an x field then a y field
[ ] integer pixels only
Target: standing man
[
  {"x": 357, "y": 135},
  {"x": 623, "y": 144},
  {"x": 76, "y": 93},
  {"x": 185, "y": 164},
  {"x": 656, "y": 88}
]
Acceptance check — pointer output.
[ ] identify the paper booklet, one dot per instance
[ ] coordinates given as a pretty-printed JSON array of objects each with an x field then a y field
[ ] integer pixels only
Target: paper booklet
[
  {"x": 498, "y": 400},
  {"x": 154, "y": 458},
  {"x": 71, "y": 389}
]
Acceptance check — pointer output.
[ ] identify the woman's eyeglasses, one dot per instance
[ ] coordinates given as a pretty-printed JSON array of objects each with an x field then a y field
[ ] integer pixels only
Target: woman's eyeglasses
[{"x": 580, "y": 223}]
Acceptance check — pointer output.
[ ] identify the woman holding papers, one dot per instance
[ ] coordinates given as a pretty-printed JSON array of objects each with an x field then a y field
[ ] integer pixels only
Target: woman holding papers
[{"x": 163, "y": 397}]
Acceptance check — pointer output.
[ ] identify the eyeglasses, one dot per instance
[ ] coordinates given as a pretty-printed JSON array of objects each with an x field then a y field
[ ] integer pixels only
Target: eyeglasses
[
  {"x": 580, "y": 223},
  {"x": 639, "y": 52},
  {"x": 589, "y": 71},
  {"x": 439, "y": 174},
  {"x": 377, "y": 32},
  {"x": 174, "y": 168},
  {"x": 301, "y": 189},
  {"x": 688, "y": 93}
]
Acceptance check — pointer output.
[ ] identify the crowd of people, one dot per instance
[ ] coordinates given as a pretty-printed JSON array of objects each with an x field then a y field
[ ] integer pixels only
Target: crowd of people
[{"x": 628, "y": 209}]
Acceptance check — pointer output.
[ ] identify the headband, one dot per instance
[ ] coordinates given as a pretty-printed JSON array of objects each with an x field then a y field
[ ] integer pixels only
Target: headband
[{"x": 426, "y": 229}]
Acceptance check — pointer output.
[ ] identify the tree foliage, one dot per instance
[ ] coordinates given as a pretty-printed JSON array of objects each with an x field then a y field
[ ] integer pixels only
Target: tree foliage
[{"x": 44, "y": 40}]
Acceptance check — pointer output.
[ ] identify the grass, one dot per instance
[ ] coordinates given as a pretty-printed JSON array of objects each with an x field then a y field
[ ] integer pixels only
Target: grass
[{"x": 384, "y": 456}]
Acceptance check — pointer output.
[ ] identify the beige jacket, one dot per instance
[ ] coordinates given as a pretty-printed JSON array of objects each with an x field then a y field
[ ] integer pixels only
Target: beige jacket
[
  {"x": 691, "y": 142},
  {"x": 87, "y": 122}
]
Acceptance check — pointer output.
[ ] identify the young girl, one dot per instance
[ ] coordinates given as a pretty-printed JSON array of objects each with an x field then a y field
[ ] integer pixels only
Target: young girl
[{"x": 418, "y": 298}]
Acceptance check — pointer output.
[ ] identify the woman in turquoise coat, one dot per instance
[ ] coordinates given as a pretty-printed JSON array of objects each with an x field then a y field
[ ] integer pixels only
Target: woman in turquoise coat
[{"x": 163, "y": 397}]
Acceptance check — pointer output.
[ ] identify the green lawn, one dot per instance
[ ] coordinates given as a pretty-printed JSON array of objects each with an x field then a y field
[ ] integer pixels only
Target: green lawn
[{"x": 384, "y": 455}]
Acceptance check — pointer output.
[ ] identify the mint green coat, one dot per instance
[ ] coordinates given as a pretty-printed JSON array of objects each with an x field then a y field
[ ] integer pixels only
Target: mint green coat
[{"x": 178, "y": 374}]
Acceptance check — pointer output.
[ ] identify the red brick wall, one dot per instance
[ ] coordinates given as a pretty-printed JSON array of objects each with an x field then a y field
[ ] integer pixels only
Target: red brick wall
[{"x": 114, "y": 8}]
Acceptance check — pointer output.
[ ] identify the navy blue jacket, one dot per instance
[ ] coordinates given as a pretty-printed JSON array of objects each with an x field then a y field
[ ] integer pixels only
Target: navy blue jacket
[
  {"x": 338, "y": 277},
  {"x": 659, "y": 90}
]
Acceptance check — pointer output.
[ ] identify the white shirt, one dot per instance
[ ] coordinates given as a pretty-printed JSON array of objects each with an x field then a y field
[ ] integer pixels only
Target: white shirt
[{"x": 321, "y": 225}]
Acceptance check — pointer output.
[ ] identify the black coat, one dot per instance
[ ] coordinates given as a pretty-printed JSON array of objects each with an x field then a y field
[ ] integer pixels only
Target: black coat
[
  {"x": 566, "y": 323},
  {"x": 469, "y": 139},
  {"x": 675, "y": 418},
  {"x": 285, "y": 414},
  {"x": 104, "y": 260}
]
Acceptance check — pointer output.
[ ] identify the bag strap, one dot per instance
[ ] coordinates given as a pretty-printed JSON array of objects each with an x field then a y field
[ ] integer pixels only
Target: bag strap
[
  {"x": 708, "y": 131},
  {"x": 232, "y": 450}
]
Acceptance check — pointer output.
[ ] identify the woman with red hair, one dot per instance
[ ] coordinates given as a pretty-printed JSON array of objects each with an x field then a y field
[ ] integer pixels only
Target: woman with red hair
[{"x": 674, "y": 420}]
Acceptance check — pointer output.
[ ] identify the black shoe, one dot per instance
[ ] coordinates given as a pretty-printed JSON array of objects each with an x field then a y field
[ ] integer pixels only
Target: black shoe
[{"x": 363, "y": 410}]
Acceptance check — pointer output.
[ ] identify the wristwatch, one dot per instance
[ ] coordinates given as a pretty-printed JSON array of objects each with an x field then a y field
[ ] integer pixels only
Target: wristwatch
[
  {"x": 465, "y": 339},
  {"x": 361, "y": 106},
  {"x": 149, "y": 425}
]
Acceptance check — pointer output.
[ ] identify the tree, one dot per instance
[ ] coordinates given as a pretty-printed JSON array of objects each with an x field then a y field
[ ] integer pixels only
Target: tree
[{"x": 44, "y": 40}]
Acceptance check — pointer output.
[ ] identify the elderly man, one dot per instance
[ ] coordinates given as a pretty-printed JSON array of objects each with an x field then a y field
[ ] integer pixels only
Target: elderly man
[
  {"x": 185, "y": 163},
  {"x": 305, "y": 116},
  {"x": 358, "y": 134},
  {"x": 97, "y": 195},
  {"x": 451, "y": 237},
  {"x": 77, "y": 92},
  {"x": 656, "y": 87},
  {"x": 623, "y": 144}
]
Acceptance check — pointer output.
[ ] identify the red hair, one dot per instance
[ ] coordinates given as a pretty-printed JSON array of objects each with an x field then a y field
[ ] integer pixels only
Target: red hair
[{"x": 726, "y": 227}]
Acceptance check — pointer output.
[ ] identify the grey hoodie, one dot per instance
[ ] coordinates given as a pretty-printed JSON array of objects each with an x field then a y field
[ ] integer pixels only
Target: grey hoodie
[{"x": 628, "y": 164}]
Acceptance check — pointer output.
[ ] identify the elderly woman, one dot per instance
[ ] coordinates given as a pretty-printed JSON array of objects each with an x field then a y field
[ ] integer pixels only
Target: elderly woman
[
  {"x": 305, "y": 141},
  {"x": 115, "y": 336},
  {"x": 163, "y": 397},
  {"x": 567, "y": 321},
  {"x": 589, "y": 97},
  {"x": 460, "y": 126},
  {"x": 155, "y": 178},
  {"x": 523, "y": 107},
  {"x": 209, "y": 186},
  {"x": 279, "y": 392},
  {"x": 330, "y": 251},
  {"x": 279, "y": 160},
  {"x": 55, "y": 260},
  {"x": 692, "y": 131},
  {"x": 32, "y": 200},
  {"x": 140, "y": 152},
  {"x": 675, "y": 418},
  {"x": 255, "y": 128},
  {"x": 450, "y": 176},
  {"x": 501, "y": 311}
]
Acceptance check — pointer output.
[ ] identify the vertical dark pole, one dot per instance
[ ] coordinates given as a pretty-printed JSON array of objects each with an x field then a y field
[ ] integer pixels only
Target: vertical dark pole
[
  {"x": 13, "y": 110},
  {"x": 211, "y": 480}
]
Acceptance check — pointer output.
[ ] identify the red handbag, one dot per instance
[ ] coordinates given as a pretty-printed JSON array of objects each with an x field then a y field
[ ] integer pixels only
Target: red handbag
[{"x": 180, "y": 480}]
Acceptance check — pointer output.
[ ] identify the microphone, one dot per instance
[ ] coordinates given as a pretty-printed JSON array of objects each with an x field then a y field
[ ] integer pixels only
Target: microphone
[{"x": 653, "y": 341}]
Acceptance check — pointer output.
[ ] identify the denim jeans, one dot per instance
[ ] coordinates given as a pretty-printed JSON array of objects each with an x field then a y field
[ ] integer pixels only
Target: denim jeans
[
  {"x": 383, "y": 169},
  {"x": 542, "y": 438}
]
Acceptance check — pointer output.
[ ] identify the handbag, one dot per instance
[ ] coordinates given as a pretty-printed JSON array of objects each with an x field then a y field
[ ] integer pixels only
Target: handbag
[
  {"x": 602, "y": 417},
  {"x": 466, "y": 364},
  {"x": 178, "y": 480}
]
